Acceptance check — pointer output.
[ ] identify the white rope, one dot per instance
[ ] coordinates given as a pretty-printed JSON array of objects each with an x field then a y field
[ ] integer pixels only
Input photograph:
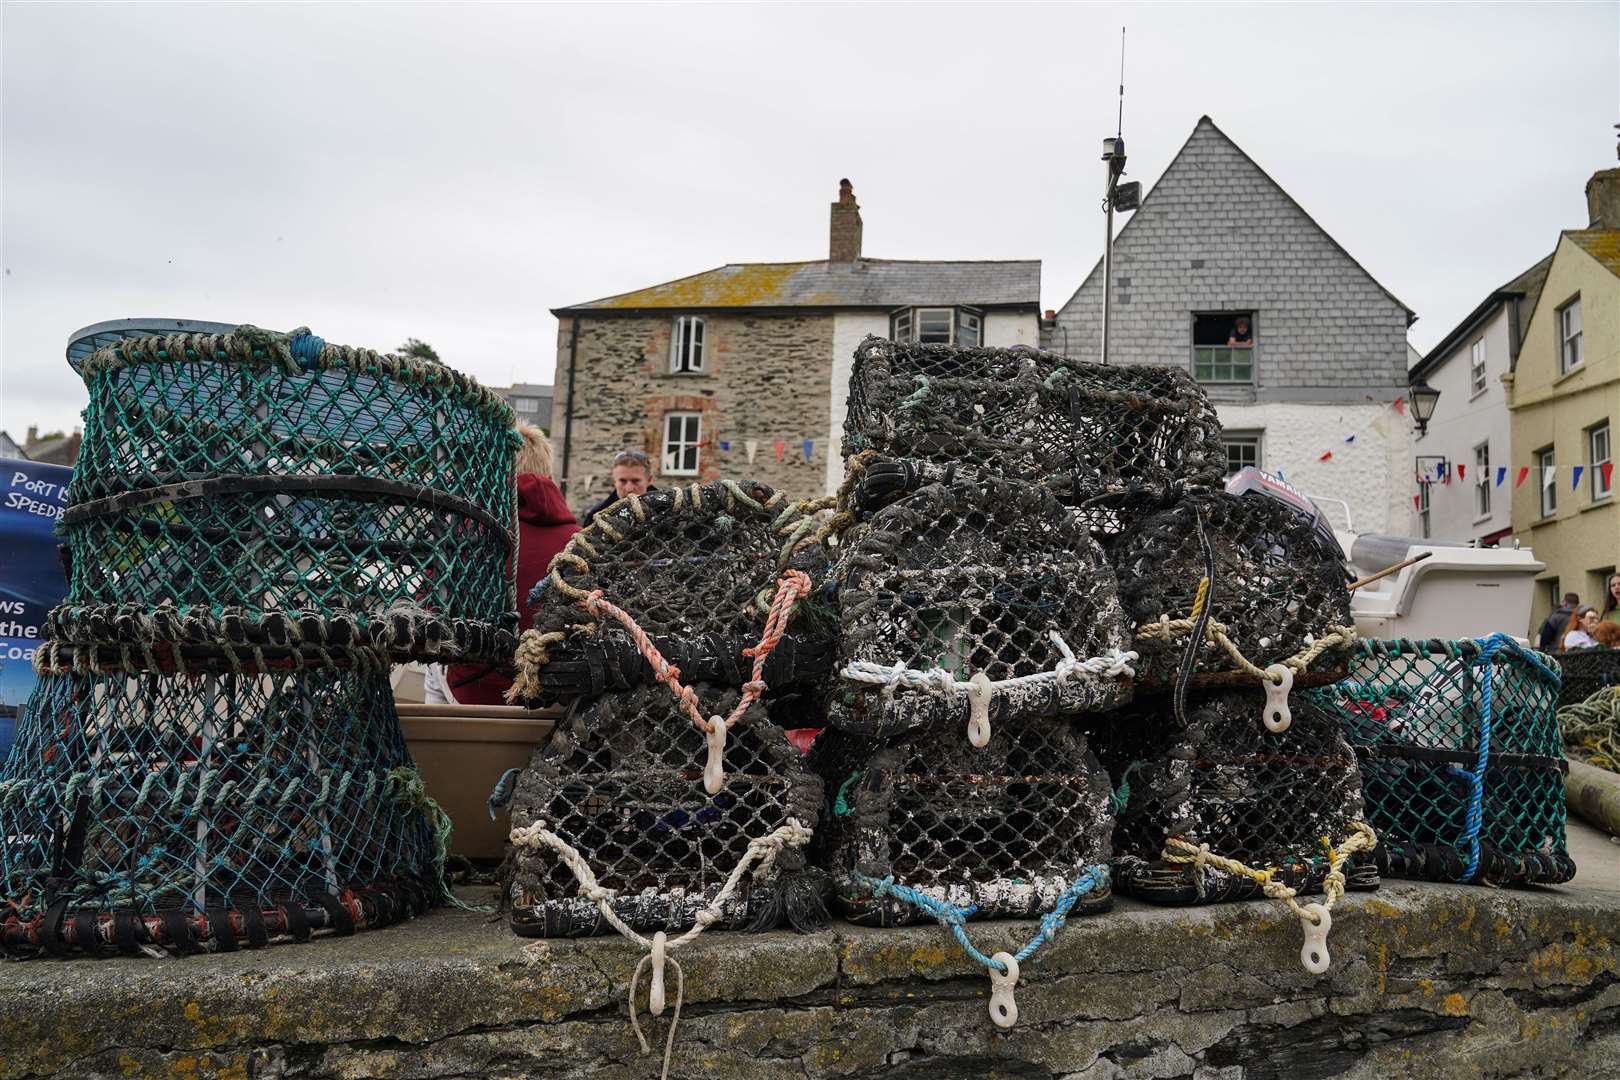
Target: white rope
[
  {"x": 980, "y": 688},
  {"x": 762, "y": 849}
]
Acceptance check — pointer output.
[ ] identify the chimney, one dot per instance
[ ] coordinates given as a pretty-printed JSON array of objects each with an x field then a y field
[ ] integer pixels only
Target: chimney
[
  {"x": 33, "y": 434},
  {"x": 1603, "y": 199},
  {"x": 844, "y": 244}
]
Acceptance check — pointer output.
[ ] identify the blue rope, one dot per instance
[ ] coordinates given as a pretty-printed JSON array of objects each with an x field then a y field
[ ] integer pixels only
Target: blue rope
[
  {"x": 1494, "y": 644},
  {"x": 306, "y": 347},
  {"x": 503, "y": 791},
  {"x": 953, "y": 918}
]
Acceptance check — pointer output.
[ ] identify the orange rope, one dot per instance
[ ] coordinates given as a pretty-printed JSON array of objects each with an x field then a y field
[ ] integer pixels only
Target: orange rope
[{"x": 794, "y": 585}]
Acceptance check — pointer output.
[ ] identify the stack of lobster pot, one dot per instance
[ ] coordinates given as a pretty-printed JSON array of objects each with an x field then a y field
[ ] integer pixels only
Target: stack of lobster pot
[
  {"x": 669, "y": 798},
  {"x": 259, "y": 523}
]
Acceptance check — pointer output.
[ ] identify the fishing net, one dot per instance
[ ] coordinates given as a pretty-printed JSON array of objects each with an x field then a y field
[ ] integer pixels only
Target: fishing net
[
  {"x": 1461, "y": 762},
  {"x": 695, "y": 570},
  {"x": 1262, "y": 799},
  {"x": 1592, "y": 728},
  {"x": 1119, "y": 434},
  {"x": 1276, "y": 594},
  {"x": 1586, "y": 671},
  {"x": 198, "y": 810},
  {"x": 1004, "y": 830},
  {"x": 618, "y": 785},
  {"x": 981, "y": 603},
  {"x": 231, "y": 480}
]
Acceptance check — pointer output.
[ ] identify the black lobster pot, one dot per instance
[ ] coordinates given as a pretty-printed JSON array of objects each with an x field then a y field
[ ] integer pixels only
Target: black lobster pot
[
  {"x": 1124, "y": 435},
  {"x": 1461, "y": 758},
  {"x": 1279, "y": 586},
  {"x": 1262, "y": 799},
  {"x": 970, "y": 579},
  {"x": 1005, "y": 829},
  {"x": 1586, "y": 671},
  {"x": 621, "y": 781}
]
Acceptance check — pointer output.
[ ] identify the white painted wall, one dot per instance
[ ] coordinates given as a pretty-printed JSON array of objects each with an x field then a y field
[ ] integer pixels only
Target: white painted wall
[
  {"x": 1002, "y": 330},
  {"x": 1372, "y": 474},
  {"x": 849, "y": 330},
  {"x": 1462, "y": 420}
]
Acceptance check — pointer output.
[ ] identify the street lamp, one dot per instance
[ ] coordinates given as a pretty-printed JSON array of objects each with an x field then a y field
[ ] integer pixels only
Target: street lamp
[{"x": 1422, "y": 397}]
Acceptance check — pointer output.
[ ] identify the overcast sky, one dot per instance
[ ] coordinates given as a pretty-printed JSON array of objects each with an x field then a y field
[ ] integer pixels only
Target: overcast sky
[{"x": 451, "y": 172}]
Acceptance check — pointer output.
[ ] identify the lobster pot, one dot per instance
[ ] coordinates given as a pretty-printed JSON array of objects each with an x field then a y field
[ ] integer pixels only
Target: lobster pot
[
  {"x": 696, "y": 568},
  {"x": 234, "y": 482},
  {"x": 993, "y": 579},
  {"x": 621, "y": 782},
  {"x": 1005, "y": 829},
  {"x": 1585, "y": 672},
  {"x": 1461, "y": 758},
  {"x": 203, "y": 809},
  {"x": 1262, "y": 799},
  {"x": 1279, "y": 587},
  {"x": 1130, "y": 433}
]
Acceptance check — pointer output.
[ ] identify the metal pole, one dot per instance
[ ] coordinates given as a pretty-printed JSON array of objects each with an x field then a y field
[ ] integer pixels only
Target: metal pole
[{"x": 1108, "y": 259}]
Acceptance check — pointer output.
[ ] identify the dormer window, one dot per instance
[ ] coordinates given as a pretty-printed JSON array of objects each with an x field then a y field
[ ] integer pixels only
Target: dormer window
[
  {"x": 937, "y": 326},
  {"x": 686, "y": 346}
]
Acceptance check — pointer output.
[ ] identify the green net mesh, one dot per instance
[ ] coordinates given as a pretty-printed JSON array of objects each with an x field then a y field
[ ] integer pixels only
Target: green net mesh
[
  {"x": 195, "y": 810},
  {"x": 250, "y": 474},
  {"x": 1461, "y": 759}
]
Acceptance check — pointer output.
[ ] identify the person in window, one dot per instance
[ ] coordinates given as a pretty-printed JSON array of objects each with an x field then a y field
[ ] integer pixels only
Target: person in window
[
  {"x": 544, "y": 525},
  {"x": 1242, "y": 335},
  {"x": 1581, "y": 625},
  {"x": 632, "y": 475},
  {"x": 1611, "y": 600}
]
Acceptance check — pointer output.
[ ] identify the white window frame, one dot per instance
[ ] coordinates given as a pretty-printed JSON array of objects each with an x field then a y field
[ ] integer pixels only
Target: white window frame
[
  {"x": 1600, "y": 490},
  {"x": 677, "y": 445},
  {"x": 1571, "y": 354},
  {"x": 1423, "y": 509},
  {"x": 950, "y": 324},
  {"x": 1547, "y": 460},
  {"x": 1242, "y": 438},
  {"x": 686, "y": 348},
  {"x": 525, "y": 405},
  {"x": 1482, "y": 481},
  {"x": 968, "y": 321},
  {"x": 1476, "y": 369},
  {"x": 900, "y": 323}
]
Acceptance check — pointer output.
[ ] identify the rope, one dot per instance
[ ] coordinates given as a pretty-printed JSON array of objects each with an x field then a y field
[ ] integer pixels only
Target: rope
[
  {"x": 953, "y": 918},
  {"x": 981, "y": 687},
  {"x": 1167, "y": 629},
  {"x": 1314, "y": 916},
  {"x": 1593, "y": 726},
  {"x": 762, "y": 850},
  {"x": 410, "y": 790}
]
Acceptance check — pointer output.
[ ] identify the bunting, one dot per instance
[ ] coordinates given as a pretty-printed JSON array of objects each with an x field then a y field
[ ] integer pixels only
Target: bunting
[{"x": 1575, "y": 477}]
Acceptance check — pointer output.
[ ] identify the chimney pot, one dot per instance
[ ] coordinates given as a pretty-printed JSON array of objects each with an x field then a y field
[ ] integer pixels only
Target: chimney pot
[
  {"x": 1603, "y": 199},
  {"x": 33, "y": 433},
  {"x": 844, "y": 239},
  {"x": 1051, "y": 315}
]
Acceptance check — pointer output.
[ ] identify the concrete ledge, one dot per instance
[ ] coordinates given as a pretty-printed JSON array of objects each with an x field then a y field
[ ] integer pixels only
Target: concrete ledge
[{"x": 1427, "y": 981}]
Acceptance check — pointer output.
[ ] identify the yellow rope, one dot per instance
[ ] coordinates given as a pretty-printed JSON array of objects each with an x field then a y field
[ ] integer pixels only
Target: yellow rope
[
  {"x": 1181, "y": 852},
  {"x": 1168, "y": 629}
]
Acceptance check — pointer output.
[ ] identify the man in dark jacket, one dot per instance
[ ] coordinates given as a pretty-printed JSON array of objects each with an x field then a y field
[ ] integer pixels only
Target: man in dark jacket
[
  {"x": 1553, "y": 629},
  {"x": 632, "y": 475}
]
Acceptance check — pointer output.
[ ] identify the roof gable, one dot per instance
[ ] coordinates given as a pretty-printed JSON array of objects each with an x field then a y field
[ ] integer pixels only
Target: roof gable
[
  {"x": 871, "y": 283},
  {"x": 1602, "y": 245},
  {"x": 1206, "y": 133},
  {"x": 1526, "y": 288}
]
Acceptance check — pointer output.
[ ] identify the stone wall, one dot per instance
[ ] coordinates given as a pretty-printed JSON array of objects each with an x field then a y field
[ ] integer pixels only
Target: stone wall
[
  {"x": 766, "y": 378},
  {"x": 1430, "y": 982}
]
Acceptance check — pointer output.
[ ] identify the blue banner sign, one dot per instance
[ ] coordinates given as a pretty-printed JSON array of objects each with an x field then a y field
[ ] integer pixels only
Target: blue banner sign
[{"x": 32, "y": 498}]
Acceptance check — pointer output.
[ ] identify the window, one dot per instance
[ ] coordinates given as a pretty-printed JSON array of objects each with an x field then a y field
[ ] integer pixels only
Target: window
[
  {"x": 1476, "y": 367},
  {"x": 901, "y": 326},
  {"x": 1423, "y": 509},
  {"x": 1482, "y": 480},
  {"x": 525, "y": 405},
  {"x": 934, "y": 326},
  {"x": 1223, "y": 347},
  {"x": 1242, "y": 449},
  {"x": 1545, "y": 461},
  {"x": 686, "y": 346},
  {"x": 968, "y": 329},
  {"x": 1569, "y": 332},
  {"x": 682, "y": 434},
  {"x": 1600, "y": 452}
]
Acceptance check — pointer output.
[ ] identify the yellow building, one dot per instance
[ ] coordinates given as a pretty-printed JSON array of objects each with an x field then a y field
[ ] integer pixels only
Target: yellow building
[{"x": 1564, "y": 395}]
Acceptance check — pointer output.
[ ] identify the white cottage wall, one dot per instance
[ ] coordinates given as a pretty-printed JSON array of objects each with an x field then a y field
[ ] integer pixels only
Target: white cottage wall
[{"x": 849, "y": 330}]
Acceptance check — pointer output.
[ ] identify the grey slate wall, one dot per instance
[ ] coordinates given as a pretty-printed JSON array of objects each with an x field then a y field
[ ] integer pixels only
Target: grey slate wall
[{"x": 1216, "y": 234}]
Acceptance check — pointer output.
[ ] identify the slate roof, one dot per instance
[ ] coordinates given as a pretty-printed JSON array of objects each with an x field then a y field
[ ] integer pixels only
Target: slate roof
[{"x": 865, "y": 283}]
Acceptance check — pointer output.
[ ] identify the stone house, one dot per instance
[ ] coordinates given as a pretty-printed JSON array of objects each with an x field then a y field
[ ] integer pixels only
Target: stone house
[
  {"x": 1322, "y": 351},
  {"x": 1564, "y": 399},
  {"x": 1469, "y": 439},
  {"x": 743, "y": 370}
]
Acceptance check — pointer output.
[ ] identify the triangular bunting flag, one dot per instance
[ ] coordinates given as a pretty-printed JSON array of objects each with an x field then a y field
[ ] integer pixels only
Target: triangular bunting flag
[
  {"x": 1381, "y": 426},
  {"x": 1501, "y": 474},
  {"x": 1326, "y": 457},
  {"x": 1524, "y": 471},
  {"x": 1461, "y": 471},
  {"x": 1440, "y": 471},
  {"x": 1399, "y": 405},
  {"x": 1417, "y": 502},
  {"x": 809, "y": 450},
  {"x": 1445, "y": 473},
  {"x": 781, "y": 448},
  {"x": 1575, "y": 477},
  {"x": 1608, "y": 474},
  {"x": 1349, "y": 438},
  {"x": 1547, "y": 474},
  {"x": 725, "y": 446},
  {"x": 751, "y": 446}
]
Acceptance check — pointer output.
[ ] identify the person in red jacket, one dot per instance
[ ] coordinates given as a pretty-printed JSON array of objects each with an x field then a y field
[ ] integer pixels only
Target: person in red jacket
[{"x": 544, "y": 525}]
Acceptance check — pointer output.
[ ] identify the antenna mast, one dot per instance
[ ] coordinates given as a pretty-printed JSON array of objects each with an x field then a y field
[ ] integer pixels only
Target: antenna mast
[{"x": 1124, "y": 197}]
